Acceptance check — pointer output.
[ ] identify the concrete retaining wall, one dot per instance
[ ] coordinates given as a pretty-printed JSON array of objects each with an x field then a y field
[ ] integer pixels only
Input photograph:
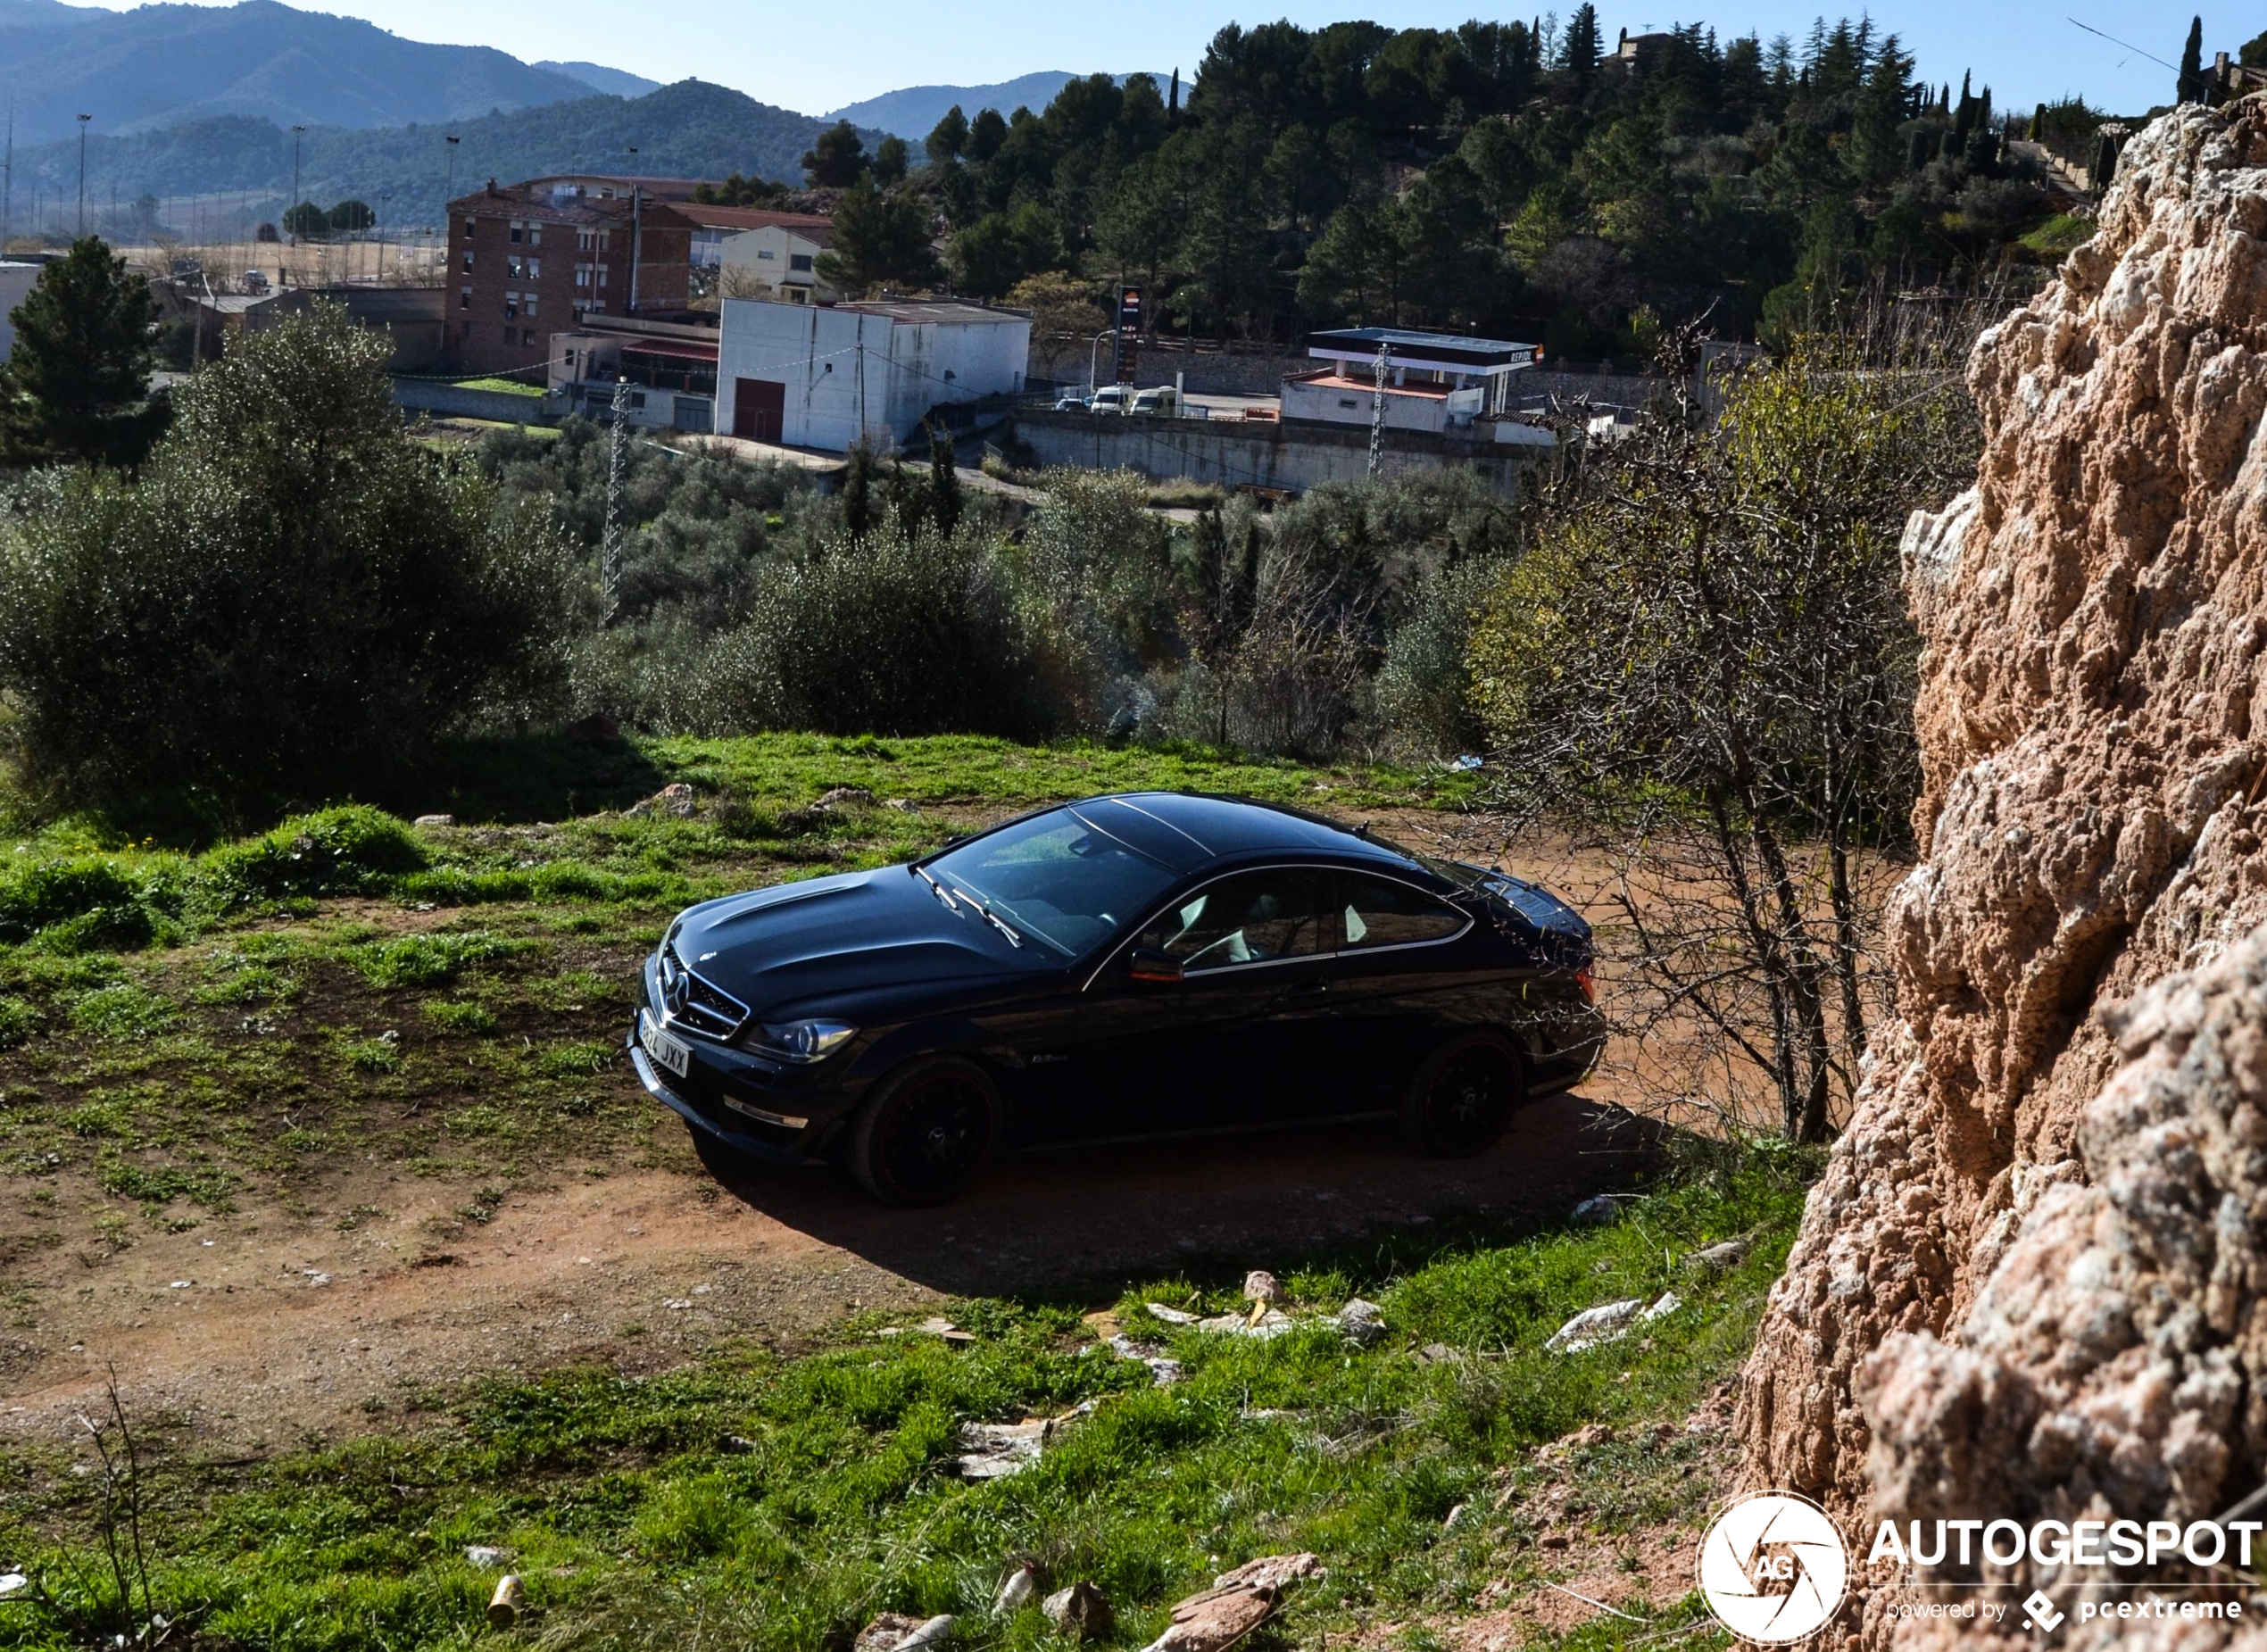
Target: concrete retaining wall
[
  {"x": 443, "y": 400},
  {"x": 1255, "y": 452}
]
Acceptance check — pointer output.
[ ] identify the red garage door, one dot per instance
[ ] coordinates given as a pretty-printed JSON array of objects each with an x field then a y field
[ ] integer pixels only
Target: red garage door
[{"x": 759, "y": 408}]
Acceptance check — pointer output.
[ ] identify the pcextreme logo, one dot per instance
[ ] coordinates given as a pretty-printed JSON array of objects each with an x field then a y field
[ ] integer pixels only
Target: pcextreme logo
[{"x": 1773, "y": 1567}]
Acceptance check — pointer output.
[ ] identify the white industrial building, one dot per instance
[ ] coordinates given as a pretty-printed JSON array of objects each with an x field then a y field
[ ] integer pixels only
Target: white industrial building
[
  {"x": 824, "y": 375},
  {"x": 1433, "y": 381},
  {"x": 16, "y": 282}
]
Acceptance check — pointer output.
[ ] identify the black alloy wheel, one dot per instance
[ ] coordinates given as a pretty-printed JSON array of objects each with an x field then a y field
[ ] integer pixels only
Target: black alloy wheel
[
  {"x": 929, "y": 1132},
  {"x": 1462, "y": 1096}
]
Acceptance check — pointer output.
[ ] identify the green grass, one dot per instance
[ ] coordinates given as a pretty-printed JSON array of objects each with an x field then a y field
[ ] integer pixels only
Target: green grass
[
  {"x": 779, "y": 1502},
  {"x": 505, "y": 386},
  {"x": 2058, "y": 235}
]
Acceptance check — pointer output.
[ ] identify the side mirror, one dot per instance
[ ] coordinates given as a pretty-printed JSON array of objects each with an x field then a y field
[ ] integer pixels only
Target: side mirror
[{"x": 1149, "y": 963}]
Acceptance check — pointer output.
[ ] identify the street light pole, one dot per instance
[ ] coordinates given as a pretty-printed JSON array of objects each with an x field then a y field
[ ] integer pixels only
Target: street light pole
[
  {"x": 83, "y": 120},
  {"x": 1093, "y": 354},
  {"x": 292, "y": 212}
]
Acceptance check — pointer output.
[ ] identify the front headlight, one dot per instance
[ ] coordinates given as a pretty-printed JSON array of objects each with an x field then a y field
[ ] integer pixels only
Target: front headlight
[{"x": 802, "y": 1041}]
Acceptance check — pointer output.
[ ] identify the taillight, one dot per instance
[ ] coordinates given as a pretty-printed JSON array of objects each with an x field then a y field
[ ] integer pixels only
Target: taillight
[{"x": 1588, "y": 983}]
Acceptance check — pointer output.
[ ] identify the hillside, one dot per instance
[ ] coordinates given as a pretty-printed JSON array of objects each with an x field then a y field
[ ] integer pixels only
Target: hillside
[
  {"x": 599, "y": 77},
  {"x": 912, "y": 112},
  {"x": 44, "y": 13},
  {"x": 689, "y": 129},
  {"x": 163, "y": 65}
]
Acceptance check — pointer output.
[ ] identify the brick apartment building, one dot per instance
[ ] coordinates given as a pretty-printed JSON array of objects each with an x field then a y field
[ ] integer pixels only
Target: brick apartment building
[{"x": 527, "y": 260}]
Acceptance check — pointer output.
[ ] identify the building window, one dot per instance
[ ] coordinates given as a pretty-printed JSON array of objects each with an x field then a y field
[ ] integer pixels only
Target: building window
[
  {"x": 766, "y": 253},
  {"x": 464, "y": 298},
  {"x": 605, "y": 239},
  {"x": 534, "y": 234},
  {"x": 535, "y": 269},
  {"x": 569, "y": 358},
  {"x": 511, "y": 305},
  {"x": 800, "y": 263},
  {"x": 582, "y": 274},
  {"x": 519, "y": 232},
  {"x": 513, "y": 268},
  {"x": 468, "y": 261},
  {"x": 470, "y": 224},
  {"x": 529, "y": 311}
]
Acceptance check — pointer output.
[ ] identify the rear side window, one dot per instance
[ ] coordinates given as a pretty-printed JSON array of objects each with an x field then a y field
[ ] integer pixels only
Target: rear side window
[
  {"x": 1254, "y": 918},
  {"x": 1376, "y": 912}
]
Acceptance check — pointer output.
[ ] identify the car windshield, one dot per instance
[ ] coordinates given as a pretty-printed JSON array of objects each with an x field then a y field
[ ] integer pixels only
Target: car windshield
[{"x": 1056, "y": 879}]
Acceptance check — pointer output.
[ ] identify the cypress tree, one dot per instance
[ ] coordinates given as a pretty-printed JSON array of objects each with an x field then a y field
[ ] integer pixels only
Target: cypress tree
[
  {"x": 2191, "y": 87},
  {"x": 2104, "y": 161},
  {"x": 858, "y": 493},
  {"x": 944, "y": 482},
  {"x": 2038, "y": 124}
]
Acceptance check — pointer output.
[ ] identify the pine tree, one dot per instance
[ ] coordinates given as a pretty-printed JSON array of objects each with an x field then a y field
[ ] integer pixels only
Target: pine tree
[
  {"x": 76, "y": 387},
  {"x": 1579, "y": 58},
  {"x": 2191, "y": 86}
]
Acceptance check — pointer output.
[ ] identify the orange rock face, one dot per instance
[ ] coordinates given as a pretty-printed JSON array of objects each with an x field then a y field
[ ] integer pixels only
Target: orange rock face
[{"x": 2094, "y": 732}]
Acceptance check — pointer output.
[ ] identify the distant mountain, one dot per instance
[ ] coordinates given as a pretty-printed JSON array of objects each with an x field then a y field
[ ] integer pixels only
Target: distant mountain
[
  {"x": 691, "y": 129},
  {"x": 45, "y": 13},
  {"x": 161, "y": 66},
  {"x": 913, "y": 113},
  {"x": 599, "y": 77}
]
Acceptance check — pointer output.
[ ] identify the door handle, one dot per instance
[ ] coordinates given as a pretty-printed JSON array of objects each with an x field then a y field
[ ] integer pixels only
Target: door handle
[{"x": 1309, "y": 989}]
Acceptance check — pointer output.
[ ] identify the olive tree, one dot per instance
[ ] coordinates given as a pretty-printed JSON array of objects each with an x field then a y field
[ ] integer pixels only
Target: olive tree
[{"x": 1704, "y": 659}]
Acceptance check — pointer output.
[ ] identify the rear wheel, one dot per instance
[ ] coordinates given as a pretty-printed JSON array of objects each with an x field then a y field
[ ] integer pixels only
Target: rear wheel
[
  {"x": 1463, "y": 1093},
  {"x": 930, "y": 1130}
]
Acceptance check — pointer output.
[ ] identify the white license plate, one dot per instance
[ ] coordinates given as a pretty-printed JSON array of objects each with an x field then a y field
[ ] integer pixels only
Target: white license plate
[{"x": 666, "y": 1051}]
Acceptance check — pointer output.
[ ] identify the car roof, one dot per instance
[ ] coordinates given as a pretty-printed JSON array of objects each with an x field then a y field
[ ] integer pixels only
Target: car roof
[{"x": 1190, "y": 831}]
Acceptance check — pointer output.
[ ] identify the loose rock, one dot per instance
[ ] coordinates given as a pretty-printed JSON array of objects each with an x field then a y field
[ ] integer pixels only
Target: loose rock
[
  {"x": 1361, "y": 1323},
  {"x": 1080, "y": 1612},
  {"x": 1594, "y": 1325}
]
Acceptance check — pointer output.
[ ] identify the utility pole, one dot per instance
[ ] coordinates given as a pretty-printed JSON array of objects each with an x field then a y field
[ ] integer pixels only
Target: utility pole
[
  {"x": 637, "y": 214},
  {"x": 8, "y": 187},
  {"x": 291, "y": 211},
  {"x": 83, "y": 120},
  {"x": 610, "y": 561},
  {"x": 1377, "y": 410}
]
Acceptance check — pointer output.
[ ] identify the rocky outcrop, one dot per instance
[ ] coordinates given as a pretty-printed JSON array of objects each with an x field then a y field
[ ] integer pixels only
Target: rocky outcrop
[{"x": 2095, "y": 739}]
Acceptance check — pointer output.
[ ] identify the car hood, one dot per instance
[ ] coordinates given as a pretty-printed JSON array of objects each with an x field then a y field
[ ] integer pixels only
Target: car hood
[{"x": 782, "y": 947}]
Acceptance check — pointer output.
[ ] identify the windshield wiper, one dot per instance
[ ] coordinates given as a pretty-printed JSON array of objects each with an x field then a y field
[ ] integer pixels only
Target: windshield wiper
[
  {"x": 984, "y": 912},
  {"x": 943, "y": 893}
]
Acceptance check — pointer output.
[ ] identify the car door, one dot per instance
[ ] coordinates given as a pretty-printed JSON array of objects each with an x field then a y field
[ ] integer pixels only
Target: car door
[
  {"x": 1395, "y": 988},
  {"x": 1233, "y": 1043}
]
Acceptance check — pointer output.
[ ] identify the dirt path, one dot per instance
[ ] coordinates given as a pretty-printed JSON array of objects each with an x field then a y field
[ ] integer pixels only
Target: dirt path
[{"x": 260, "y": 1332}]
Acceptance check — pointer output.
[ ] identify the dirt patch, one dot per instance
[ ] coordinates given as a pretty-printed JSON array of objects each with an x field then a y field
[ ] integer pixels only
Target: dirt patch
[{"x": 259, "y": 1330}]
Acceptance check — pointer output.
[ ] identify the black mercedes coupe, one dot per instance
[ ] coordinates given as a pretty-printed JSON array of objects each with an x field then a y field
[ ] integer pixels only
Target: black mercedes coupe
[{"x": 1153, "y": 964}]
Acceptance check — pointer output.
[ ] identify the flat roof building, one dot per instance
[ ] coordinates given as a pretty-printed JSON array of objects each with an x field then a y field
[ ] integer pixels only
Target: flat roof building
[
  {"x": 1433, "y": 380},
  {"x": 828, "y": 375}
]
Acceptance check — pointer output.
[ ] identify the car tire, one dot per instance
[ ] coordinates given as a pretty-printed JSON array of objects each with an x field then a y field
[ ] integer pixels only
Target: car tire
[
  {"x": 930, "y": 1129},
  {"x": 1463, "y": 1095}
]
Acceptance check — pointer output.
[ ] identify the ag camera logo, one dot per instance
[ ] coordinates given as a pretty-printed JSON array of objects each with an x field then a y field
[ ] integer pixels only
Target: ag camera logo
[{"x": 1773, "y": 1567}]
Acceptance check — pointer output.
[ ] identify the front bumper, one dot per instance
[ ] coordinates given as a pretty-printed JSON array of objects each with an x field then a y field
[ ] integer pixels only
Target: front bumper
[
  {"x": 738, "y": 1098},
  {"x": 716, "y": 1123}
]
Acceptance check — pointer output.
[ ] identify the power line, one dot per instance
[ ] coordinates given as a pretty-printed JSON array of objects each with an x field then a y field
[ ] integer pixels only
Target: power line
[{"x": 2128, "y": 45}]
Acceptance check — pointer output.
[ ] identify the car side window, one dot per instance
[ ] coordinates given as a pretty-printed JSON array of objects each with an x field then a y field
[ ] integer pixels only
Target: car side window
[
  {"x": 1376, "y": 912},
  {"x": 1253, "y": 918}
]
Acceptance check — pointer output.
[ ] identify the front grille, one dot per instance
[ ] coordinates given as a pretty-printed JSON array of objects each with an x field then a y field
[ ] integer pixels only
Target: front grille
[{"x": 695, "y": 1004}]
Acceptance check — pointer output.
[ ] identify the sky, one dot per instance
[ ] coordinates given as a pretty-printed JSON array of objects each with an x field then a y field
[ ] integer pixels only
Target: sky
[{"x": 815, "y": 59}]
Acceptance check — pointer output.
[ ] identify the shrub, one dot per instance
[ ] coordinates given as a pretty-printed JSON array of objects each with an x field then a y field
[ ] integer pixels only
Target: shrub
[
  {"x": 898, "y": 635},
  {"x": 60, "y": 891},
  {"x": 290, "y": 581},
  {"x": 346, "y": 850},
  {"x": 429, "y": 960}
]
